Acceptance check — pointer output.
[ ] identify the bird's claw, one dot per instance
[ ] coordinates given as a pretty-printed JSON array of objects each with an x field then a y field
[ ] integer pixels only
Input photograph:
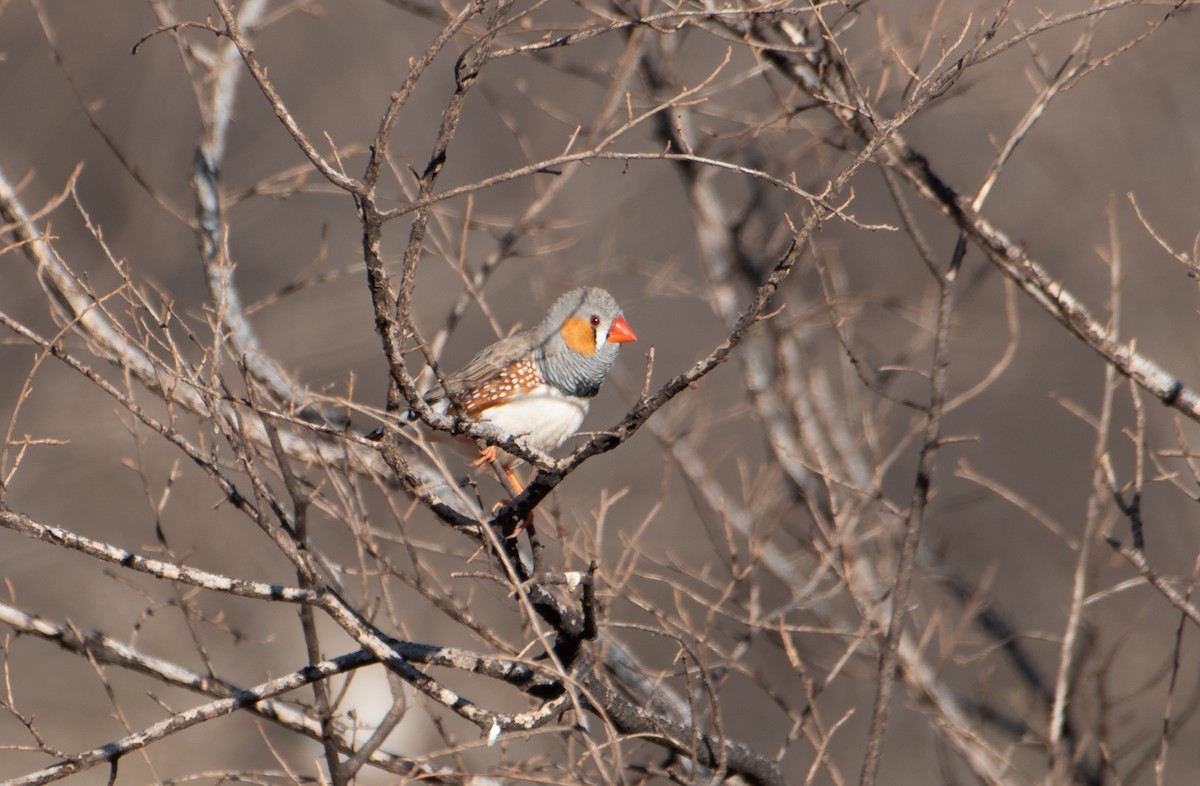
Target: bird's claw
[{"x": 486, "y": 456}]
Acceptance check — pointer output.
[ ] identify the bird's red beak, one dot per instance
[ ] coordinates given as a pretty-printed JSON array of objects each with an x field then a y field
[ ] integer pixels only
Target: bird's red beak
[{"x": 620, "y": 332}]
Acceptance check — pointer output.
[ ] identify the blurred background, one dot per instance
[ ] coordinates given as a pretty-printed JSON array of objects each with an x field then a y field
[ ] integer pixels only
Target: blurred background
[{"x": 803, "y": 448}]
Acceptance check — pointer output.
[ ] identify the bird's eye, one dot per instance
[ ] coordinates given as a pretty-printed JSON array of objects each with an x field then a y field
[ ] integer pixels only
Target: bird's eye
[{"x": 595, "y": 321}]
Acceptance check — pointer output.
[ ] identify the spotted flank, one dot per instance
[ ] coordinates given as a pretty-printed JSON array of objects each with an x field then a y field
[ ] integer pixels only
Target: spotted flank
[{"x": 520, "y": 378}]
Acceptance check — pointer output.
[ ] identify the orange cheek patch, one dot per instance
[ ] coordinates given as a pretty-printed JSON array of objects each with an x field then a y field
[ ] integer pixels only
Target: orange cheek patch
[{"x": 579, "y": 335}]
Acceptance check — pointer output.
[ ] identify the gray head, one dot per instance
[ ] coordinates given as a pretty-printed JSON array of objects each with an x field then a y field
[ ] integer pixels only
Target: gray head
[{"x": 579, "y": 338}]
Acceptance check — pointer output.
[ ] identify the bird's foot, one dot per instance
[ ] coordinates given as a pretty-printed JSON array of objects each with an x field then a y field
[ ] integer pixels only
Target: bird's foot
[{"x": 486, "y": 456}]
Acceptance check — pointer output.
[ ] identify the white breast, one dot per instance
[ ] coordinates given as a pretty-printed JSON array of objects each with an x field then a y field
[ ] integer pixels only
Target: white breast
[{"x": 543, "y": 416}]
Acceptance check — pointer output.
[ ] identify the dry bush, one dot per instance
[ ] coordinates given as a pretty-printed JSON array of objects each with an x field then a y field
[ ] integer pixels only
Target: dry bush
[{"x": 890, "y": 490}]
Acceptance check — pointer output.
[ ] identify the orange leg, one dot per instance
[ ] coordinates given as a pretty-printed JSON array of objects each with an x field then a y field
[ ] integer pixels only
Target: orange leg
[
  {"x": 527, "y": 522},
  {"x": 488, "y": 455},
  {"x": 516, "y": 487},
  {"x": 513, "y": 480}
]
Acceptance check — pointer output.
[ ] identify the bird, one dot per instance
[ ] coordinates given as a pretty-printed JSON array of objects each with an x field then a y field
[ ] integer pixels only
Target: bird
[{"x": 537, "y": 383}]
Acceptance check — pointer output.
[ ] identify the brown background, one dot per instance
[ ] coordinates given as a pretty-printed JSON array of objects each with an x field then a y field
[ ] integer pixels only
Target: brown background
[{"x": 1133, "y": 127}]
